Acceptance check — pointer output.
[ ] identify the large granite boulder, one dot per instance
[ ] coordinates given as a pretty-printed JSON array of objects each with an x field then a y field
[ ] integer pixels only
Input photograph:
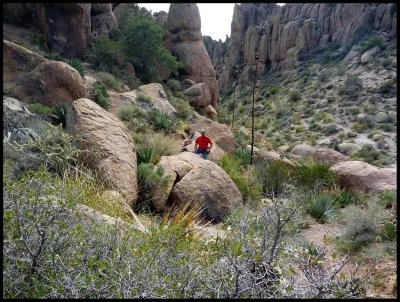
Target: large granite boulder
[
  {"x": 114, "y": 152},
  {"x": 363, "y": 177},
  {"x": 329, "y": 156},
  {"x": 18, "y": 60},
  {"x": 50, "y": 83},
  {"x": 201, "y": 182},
  {"x": 198, "y": 95},
  {"x": 157, "y": 98},
  {"x": 303, "y": 150},
  {"x": 219, "y": 133},
  {"x": 184, "y": 39}
]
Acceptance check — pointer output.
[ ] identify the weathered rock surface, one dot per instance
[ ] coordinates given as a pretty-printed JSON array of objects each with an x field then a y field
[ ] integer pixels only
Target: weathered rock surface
[
  {"x": 50, "y": 83},
  {"x": 281, "y": 33},
  {"x": 158, "y": 98},
  {"x": 114, "y": 149},
  {"x": 219, "y": 133},
  {"x": 102, "y": 19},
  {"x": 198, "y": 95},
  {"x": 329, "y": 156},
  {"x": 363, "y": 177},
  {"x": 303, "y": 150},
  {"x": 348, "y": 148},
  {"x": 18, "y": 60},
  {"x": 368, "y": 56},
  {"x": 184, "y": 39},
  {"x": 201, "y": 182}
]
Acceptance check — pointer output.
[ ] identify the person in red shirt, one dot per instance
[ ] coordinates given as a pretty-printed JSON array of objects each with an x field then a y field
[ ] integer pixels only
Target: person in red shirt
[{"x": 201, "y": 144}]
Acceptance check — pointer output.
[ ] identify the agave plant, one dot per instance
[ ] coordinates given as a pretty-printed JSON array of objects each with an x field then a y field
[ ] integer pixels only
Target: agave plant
[
  {"x": 321, "y": 207},
  {"x": 60, "y": 114},
  {"x": 77, "y": 64}
]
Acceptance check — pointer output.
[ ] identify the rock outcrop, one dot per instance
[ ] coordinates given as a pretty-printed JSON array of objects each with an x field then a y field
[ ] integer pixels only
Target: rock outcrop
[
  {"x": 281, "y": 33},
  {"x": 363, "y": 177},
  {"x": 50, "y": 83},
  {"x": 184, "y": 39},
  {"x": 69, "y": 27},
  {"x": 198, "y": 95},
  {"x": 18, "y": 60},
  {"x": 114, "y": 153},
  {"x": 215, "y": 154},
  {"x": 201, "y": 182}
]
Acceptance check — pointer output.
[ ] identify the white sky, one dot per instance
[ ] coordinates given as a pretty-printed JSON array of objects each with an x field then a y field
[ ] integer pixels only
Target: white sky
[{"x": 216, "y": 18}]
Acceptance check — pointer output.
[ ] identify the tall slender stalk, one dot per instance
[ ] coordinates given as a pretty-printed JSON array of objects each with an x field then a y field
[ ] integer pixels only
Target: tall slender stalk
[{"x": 233, "y": 109}]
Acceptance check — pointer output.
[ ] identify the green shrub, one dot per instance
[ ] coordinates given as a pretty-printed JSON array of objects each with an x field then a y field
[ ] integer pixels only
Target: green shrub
[
  {"x": 162, "y": 121},
  {"x": 386, "y": 198},
  {"x": 183, "y": 109},
  {"x": 105, "y": 53},
  {"x": 77, "y": 64},
  {"x": 294, "y": 96},
  {"x": 60, "y": 113},
  {"x": 51, "y": 146},
  {"x": 322, "y": 77},
  {"x": 321, "y": 207},
  {"x": 40, "y": 40},
  {"x": 142, "y": 41},
  {"x": 144, "y": 98},
  {"x": 314, "y": 175},
  {"x": 9, "y": 89},
  {"x": 351, "y": 81},
  {"x": 369, "y": 153},
  {"x": 40, "y": 109},
  {"x": 354, "y": 110},
  {"x": 387, "y": 87},
  {"x": 101, "y": 95},
  {"x": 330, "y": 129},
  {"x": 246, "y": 183},
  {"x": 274, "y": 90},
  {"x": 274, "y": 176},
  {"x": 243, "y": 155},
  {"x": 110, "y": 80},
  {"x": 344, "y": 198},
  {"x": 388, "y": 232},
  {"x": 134, "y": 118},
  {"x": 361, "y": 226},
  {"x": 372, "y": 42},
  {"x": 174, "y": 85}
]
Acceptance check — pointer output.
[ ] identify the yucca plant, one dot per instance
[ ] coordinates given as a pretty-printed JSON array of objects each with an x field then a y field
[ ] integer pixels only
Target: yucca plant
[
  {"x": 314, "y": 175},
  {"x": 162, "y": 121},
  {"x": 146, "y": 154},
  {"x": 321, "y": 207},
  {"x": 77, "y": 64},
  {"x": 60, "y": 114}
]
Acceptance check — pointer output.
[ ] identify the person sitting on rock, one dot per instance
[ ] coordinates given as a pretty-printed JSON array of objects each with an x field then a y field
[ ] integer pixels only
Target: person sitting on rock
[{"x": 202, "y": 142}]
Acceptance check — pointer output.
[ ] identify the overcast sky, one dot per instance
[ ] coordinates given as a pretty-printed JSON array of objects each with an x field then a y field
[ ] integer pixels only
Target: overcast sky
[{"x": 216, "y": 18}]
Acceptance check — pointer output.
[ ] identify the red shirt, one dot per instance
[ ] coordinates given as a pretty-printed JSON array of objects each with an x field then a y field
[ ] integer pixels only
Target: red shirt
[{"x": 203, "y": 142}]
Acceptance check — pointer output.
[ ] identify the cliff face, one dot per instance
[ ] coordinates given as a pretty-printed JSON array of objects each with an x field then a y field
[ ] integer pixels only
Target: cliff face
[{"x": 281, "y": 33}]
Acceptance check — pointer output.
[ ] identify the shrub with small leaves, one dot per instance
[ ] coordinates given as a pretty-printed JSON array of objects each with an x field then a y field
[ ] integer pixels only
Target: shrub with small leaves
[
  {"x": 174, "y": 85},
  {"x": 294, "y": 96},
  {"x": 40, "y": 109},
  {"x": 143, "y": 98}
]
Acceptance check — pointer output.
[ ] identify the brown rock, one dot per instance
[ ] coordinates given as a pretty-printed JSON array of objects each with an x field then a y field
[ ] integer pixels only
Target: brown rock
[
  {"x": 18, "y": 60},
  {"x": 210, "y": 112},
  {"x": 198, "y": 95},
  {"x": 185, "y": 42},
  {"x": 363, "y": 177},
  {"x": 209, "y": 186},
  {"x": 158, "y": 98},
  {"x": 303, "y": 150},
  {"x": 50, "y": 83},
  {"x": 329, "y": 156},
  {"x": 114, "y": 150},
  {"x": 103, "y": 20}
]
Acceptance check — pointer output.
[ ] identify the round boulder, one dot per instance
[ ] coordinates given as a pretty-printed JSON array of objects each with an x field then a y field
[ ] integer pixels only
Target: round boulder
[
  {"x": 50, "y": 83},
  {"x": 363, "y": 177}
]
